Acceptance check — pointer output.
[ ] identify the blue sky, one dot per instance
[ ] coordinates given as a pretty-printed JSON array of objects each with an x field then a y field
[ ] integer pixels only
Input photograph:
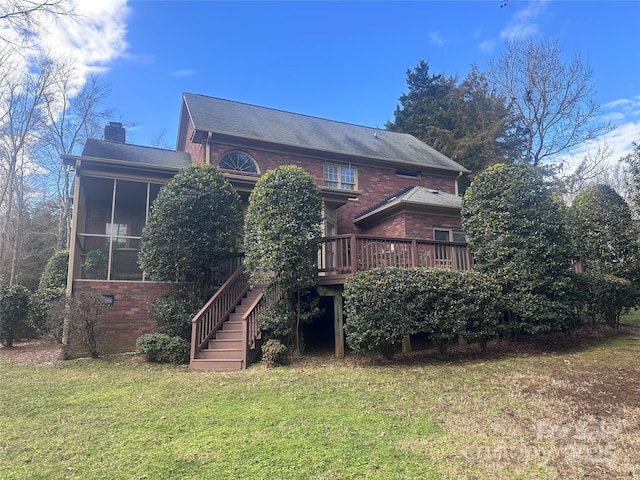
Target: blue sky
[{"x": 347, "y": 61}]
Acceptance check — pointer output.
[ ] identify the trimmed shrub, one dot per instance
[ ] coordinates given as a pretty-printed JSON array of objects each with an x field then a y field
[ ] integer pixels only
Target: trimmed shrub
[
  {"x": 40, "y": 312},
  {"x": 193, "y": 226},
  {"x": 375, "y": 309},
  {"x": 483, "y": 308},
  {"x": 282, "y": 237},
  {"x": 54, "y": 274},
  {"x": 274, "y": 353},
  {"x": 14, "y": 307},
  {"x": 52, "y": 288},
  {"x": 161, "y": 348},
  {"x": 604, "y": 298},
  {"x": 174, "y": 311},
  {"x": 518, "y": 234},
  {"x": 438, "y": 305},
  {"x": 384, "y": 305}
]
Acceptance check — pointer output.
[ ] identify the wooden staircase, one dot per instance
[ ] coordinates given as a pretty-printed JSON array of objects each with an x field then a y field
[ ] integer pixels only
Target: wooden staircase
[
  {"x": 227, "y": 350},
  {"x": 225, "y": 333}
]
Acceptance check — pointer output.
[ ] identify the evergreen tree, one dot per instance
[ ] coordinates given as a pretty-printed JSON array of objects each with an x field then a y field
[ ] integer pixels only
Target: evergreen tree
[
  {"x": 194, "y": 224},
  {"x": 604, "y": 232},
  {"x": 517, "y": 233},
  {"x": 466, "y": 121},
  {"x": 282, "y": 237}
]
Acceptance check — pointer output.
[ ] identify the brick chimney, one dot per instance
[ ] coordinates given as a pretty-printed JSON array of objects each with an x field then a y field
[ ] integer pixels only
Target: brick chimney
[{"x": 114, "y": 132}]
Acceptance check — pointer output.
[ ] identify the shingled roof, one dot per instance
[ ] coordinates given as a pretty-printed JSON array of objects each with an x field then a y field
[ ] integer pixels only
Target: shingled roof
[
  {"x": 420, "y": 197},
  {"x": 210, "y": 114},
  {"x": 136, "y": 154}
]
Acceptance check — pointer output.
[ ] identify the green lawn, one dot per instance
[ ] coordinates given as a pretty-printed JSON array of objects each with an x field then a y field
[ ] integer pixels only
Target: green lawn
[{"x": 568, "y": 414}]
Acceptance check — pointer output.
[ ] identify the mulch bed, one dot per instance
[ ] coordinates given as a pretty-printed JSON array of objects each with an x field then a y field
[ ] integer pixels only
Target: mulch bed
[{"x": 32, "y": 353}]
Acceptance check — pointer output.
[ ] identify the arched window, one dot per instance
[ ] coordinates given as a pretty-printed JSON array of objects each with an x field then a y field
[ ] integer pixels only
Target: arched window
[{"x": 238, "y": 161}]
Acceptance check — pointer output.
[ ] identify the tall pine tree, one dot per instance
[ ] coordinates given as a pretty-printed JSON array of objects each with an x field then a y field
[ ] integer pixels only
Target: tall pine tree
[{"x": 464, "y": 120}]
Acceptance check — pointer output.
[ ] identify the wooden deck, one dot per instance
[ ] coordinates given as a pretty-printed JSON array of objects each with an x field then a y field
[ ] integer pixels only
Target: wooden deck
[
  {"x": 225, "y": 333},
  {"x": 343, "y": 255}
]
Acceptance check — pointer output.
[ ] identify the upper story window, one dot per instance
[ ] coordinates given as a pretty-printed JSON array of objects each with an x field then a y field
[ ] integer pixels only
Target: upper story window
[
  {"x": 337, "y": 176},
  {"x": 449, "y": 235},
  {"x": 407, "y": 174},
  {"x": 238, "y": 161}
]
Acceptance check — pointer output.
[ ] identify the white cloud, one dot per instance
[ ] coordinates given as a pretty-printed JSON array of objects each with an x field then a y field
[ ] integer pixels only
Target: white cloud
[
  {"x": 524, "y": 22},
  {"x": 625, "y": 107},
  {"x": 93, "y": 37},
  {"x": 621, "y": 139},
  {"x": 624, "y": 115},
  {"x": 487, "y": 46},
  {"x": 436, "y": 38},
  {"x": 183, "y": 73}
]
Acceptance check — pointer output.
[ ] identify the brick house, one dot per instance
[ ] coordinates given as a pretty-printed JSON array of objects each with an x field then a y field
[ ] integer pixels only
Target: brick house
[{"x": 389, "y": 199}]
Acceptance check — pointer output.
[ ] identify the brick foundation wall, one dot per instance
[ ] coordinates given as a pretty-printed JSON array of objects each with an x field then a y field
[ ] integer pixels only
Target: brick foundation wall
[{"x": 128, "y": 317}]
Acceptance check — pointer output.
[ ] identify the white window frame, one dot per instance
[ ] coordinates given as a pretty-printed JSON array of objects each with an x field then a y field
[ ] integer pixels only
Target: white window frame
[
  {"x": 236, "y": 155},
  {"x": 337, "y": 178}
]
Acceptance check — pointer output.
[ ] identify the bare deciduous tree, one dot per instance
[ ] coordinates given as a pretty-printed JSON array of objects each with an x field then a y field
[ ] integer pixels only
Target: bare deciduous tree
[
  {"x": 20, "y": 19},
  {"x": 23, "y": 123},
  {"x": 632, "y": 179},
  {"x": 589, "y": 169},
  {"x": 73, "y": 116},
  {"x": 553, "y": 101}
]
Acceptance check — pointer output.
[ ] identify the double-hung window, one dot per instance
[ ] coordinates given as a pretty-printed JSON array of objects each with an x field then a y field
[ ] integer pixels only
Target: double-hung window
[{"x": 338, "y": 176}]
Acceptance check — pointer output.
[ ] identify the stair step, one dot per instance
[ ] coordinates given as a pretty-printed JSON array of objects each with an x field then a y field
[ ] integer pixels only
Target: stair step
[
  {"x": 217, "y": 365},
  {"x": 232, "y": 324},
  {"x": 225, "y": 343},
  {"x": 222, "y": 354},
  {"x": 227, "y": 351},
  {"x": 228, "y": 335}
]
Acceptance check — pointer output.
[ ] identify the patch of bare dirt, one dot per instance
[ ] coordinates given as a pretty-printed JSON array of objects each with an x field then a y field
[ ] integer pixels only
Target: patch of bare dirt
[
  {"x": 32, "y": 353},
  {"x": 598, "y": 392}
]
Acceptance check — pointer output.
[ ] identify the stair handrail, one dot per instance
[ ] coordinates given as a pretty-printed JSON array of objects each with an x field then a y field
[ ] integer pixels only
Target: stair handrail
[
  {"x": 217, "y": 310},
  {"x": 250, "y": 326}
]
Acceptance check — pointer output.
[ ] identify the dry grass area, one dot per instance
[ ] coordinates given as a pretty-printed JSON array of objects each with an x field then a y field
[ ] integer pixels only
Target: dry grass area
[{"x": 557, "y": 407}]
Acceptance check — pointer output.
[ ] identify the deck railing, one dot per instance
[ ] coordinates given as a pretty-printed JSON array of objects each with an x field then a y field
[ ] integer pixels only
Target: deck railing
[
  {"x": 340, "y": 255},
  {"x": 347, "y": 254},
  {"x": 211, "y": 317}
]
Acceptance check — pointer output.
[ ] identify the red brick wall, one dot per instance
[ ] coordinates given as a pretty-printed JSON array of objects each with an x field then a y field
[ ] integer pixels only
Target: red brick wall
[
  {"x": 414, "y": 225},
  {"x": 376, "y": 183},
  {"x": 197, "y": 151},
  {"x": 128, "y": 317}
]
